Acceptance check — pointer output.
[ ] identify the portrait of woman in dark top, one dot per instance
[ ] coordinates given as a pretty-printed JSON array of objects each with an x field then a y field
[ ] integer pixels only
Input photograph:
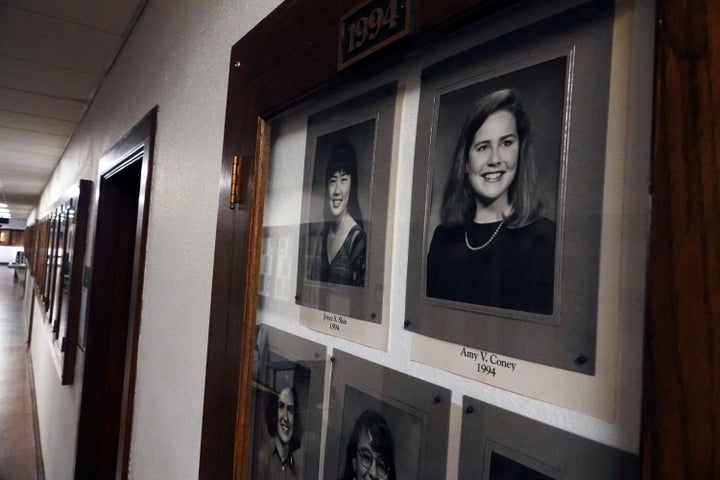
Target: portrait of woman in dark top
[
  {"x": 492, "y": 247},
  {"x": 276, "y": 460},
  {"x": 338, "y": 255}
]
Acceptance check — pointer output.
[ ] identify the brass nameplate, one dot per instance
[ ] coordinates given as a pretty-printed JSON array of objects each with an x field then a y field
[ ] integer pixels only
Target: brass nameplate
[{"x": 370, "y": 27}]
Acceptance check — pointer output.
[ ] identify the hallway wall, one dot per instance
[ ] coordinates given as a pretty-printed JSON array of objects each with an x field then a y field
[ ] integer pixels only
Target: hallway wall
[{"x": 177, "y": 58}]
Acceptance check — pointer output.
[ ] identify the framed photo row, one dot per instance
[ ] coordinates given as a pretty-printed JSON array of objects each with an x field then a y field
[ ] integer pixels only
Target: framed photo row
[
  {"x": 506, "y": 211},
  {"x": 376, "y": 421},
  {"x": 373, "y": 421},
  {"x": 55, "y": 251},
  {"x": 507, "y": 199}
]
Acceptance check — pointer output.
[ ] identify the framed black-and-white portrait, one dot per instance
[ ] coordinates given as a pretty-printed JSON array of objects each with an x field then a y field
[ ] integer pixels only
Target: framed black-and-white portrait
[
  {"x": 497, "y": 444},
  {"x": 344, "y": 213},
  {"x": 289, "y": 385},
  {"x": 384, "y": 423},
  {"x": 508, "y": 192}
]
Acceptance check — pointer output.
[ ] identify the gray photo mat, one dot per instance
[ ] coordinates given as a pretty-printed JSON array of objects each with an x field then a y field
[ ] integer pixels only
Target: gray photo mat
[
  {"x": 276, "y": 347},
  {"x": 582, "y": 39},
  {"x": 408, "y": 404},
  {"x": 368, "y": 121},
  {"x": 546, "y": 451}
]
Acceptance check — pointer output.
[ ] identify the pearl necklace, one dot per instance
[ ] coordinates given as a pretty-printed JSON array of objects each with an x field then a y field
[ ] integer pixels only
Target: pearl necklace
[{"x": 492, "y": 237}]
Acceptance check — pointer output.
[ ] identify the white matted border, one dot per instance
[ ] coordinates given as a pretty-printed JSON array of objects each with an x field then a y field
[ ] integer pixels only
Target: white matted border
[{"x": 365, "y": 333}]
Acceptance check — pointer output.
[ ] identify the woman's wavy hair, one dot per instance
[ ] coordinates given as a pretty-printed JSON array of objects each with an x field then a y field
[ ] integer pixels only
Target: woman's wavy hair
[
  {"x": 344, "y": 159},
  {"x": 271, "y": 416},
  {"x": 382, "y": 442},
  {"x": 458, "y": 206}
]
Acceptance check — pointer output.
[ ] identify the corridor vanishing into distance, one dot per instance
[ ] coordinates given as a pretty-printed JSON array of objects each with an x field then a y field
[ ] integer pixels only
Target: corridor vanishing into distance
[{"x": 18, "y": 443}]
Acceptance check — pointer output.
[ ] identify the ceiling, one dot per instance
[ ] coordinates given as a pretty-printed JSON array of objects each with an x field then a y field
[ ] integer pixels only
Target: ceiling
[{"x": 54, "y": 54}]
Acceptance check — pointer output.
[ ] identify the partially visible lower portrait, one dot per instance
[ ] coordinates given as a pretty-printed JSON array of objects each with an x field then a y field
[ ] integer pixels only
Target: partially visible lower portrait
[
  {"x": 283, "y": 412},
  {"x": 287, "y": 408},
  {"x": 378, "y": 440},
  {"x": 383, "y": 424},
  {"x": 504, "y": 468},
  {"x": 497, "y": 444}
]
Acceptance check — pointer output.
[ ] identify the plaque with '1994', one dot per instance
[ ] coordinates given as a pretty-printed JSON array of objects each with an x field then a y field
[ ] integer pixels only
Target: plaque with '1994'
[{"x": 371, "y": 26}]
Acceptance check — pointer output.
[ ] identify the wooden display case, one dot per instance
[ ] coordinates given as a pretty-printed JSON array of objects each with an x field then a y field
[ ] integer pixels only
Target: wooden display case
[{"x": 268, "y": 77}]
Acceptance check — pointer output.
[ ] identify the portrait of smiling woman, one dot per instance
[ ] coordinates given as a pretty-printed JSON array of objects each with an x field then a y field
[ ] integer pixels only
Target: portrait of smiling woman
[
  {"x": 338, "y": 255},
  {"x": 276, "y": 458},
  {"x": 370, "y": 453},
  {"x": 492, "y": 247}
]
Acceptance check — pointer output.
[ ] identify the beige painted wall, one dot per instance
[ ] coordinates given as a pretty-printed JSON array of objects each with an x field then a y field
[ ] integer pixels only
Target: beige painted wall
[{"x": 177, "y": 58}]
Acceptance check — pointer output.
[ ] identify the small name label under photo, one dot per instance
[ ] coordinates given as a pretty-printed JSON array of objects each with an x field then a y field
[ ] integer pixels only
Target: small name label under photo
[
  {"x": 487, "y": 363},
  {"x": 334, "y": 321},
  {"x": 591, "y": 395},
  {"x": 355, "y": 330}
]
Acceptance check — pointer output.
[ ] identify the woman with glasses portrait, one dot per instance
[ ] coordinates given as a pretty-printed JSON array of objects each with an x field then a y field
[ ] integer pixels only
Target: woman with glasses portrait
[{"x": 370, "y": 453}]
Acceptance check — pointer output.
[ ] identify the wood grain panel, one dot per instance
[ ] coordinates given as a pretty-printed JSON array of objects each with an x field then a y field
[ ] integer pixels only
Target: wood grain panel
[{"x": 682, "y": 358}]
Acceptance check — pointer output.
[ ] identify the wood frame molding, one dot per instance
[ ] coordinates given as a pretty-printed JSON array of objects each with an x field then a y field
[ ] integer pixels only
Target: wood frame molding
[
  {"x": 681, "y": 385},
  {"x": 681, "y": 382},
  {"x": 115, "y": 304}
]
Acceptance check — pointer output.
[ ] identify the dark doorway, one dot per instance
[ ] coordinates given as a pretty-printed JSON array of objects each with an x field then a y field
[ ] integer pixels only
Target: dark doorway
[{"x": 113, "y": 320}]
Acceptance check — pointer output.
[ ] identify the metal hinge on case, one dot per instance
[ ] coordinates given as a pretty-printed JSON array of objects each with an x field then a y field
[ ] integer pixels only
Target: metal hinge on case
[{"x": 236, "y": 181}]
